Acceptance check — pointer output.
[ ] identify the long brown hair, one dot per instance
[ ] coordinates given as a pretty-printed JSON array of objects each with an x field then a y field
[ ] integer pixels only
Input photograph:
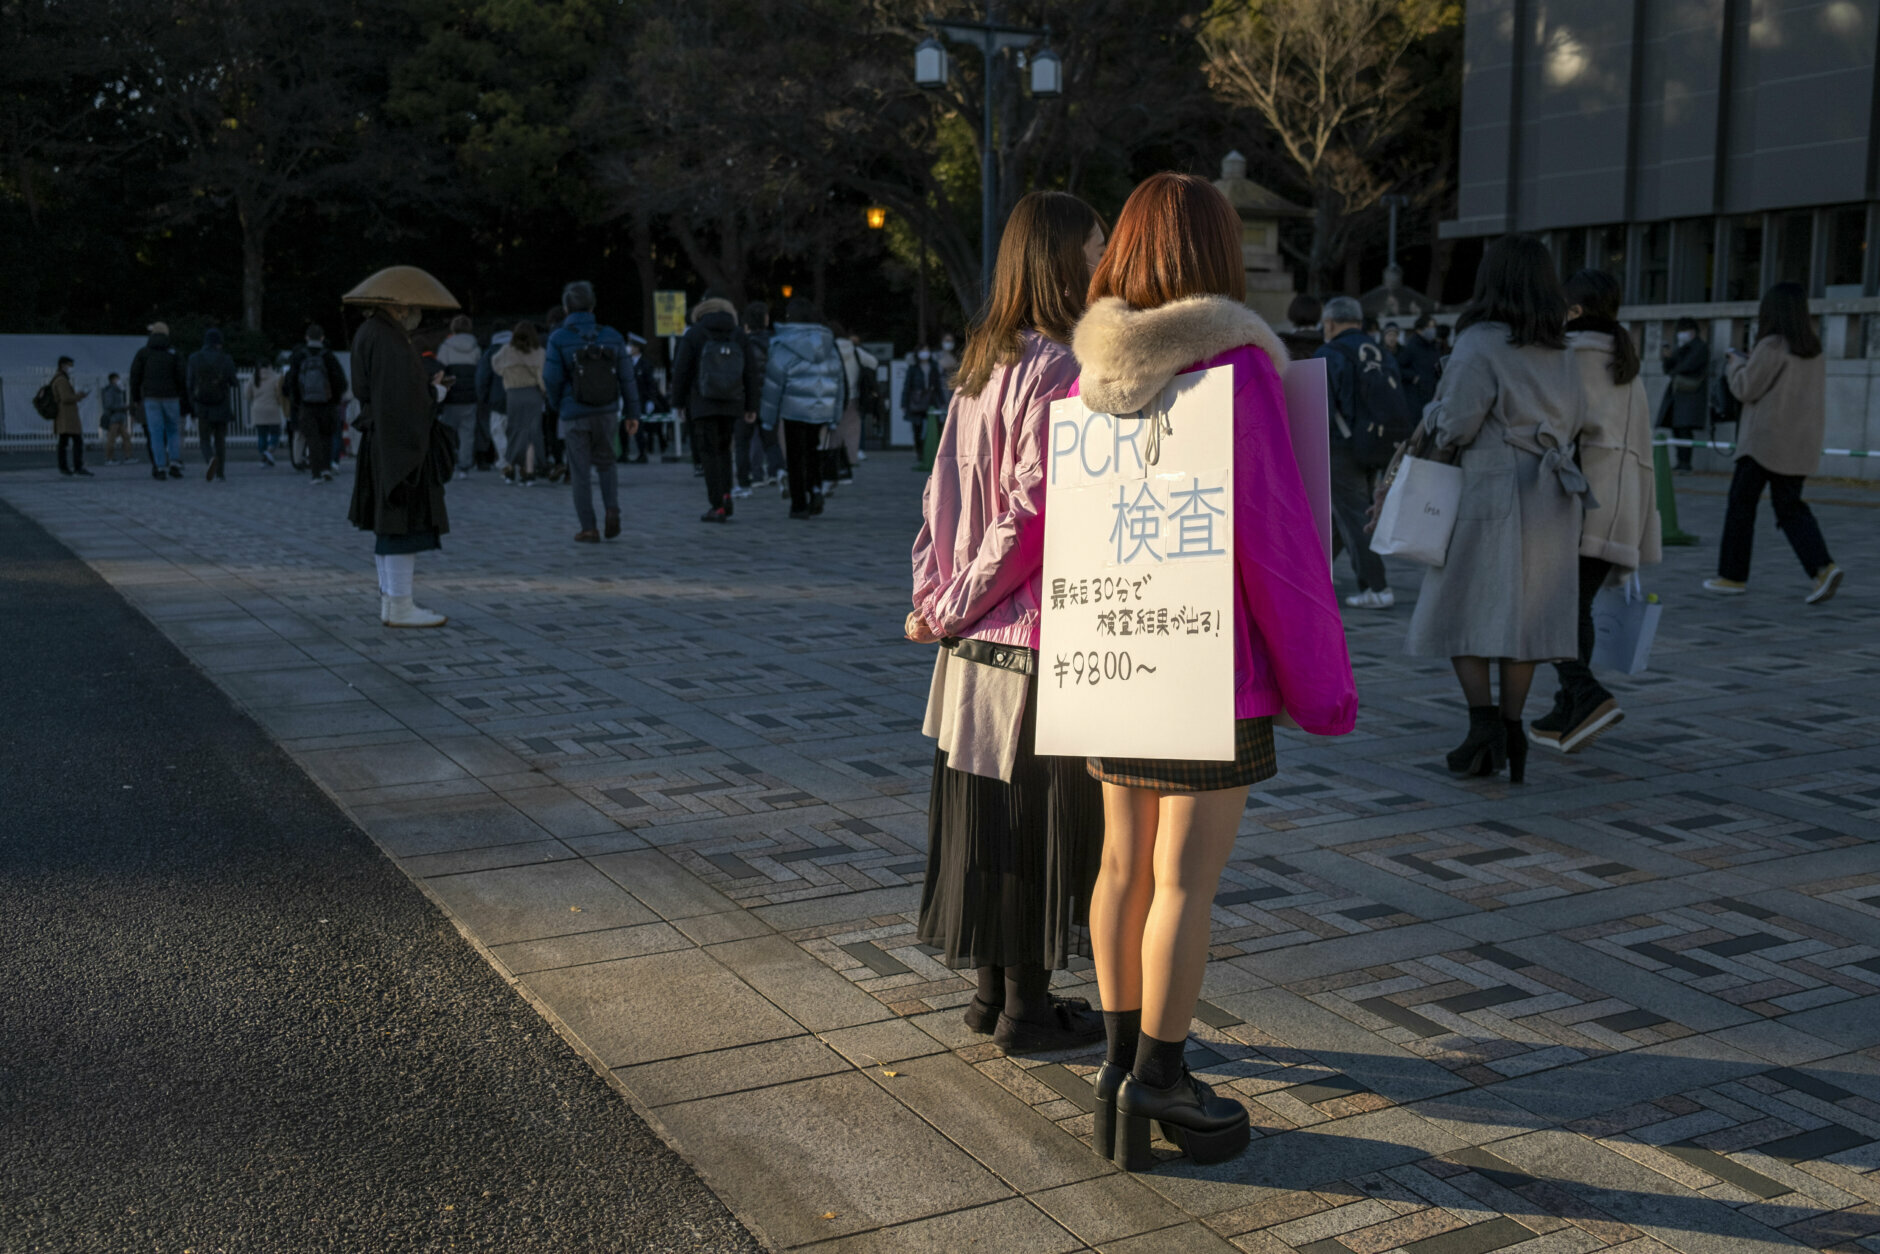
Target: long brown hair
[
  {"x": 1784, "y": 312},
  {"x": 1516, "y": 284},
  {"x": 1037, "y": 285},
  {"x": 523, "y": 337},
  {"x": 1176, "y": 237},
  {"x": 1598, "y": 293}
]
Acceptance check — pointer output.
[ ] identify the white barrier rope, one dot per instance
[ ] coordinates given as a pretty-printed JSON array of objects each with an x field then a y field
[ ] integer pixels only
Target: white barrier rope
[{"x": 1730, "y": 448}]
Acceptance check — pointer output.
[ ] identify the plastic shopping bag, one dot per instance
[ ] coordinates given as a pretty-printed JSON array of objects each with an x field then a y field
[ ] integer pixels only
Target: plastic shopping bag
[
  {"x": 1625, "y": 622},
  {"x": 1419, "y": 512}
]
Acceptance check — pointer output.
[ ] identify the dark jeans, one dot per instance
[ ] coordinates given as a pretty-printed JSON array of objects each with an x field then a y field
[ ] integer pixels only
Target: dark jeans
[
  {"x": 77, "y": 443},
  {"x": 1576, "y": 677},
  {"x": 590, "y": 442},
  {"x": 753, "y": 447},
  {"x": 1792, "y": 515},
  {"x": 1351, "y": 501},
  {"x": 712, "y": 436},
  {"x": 214, "y": 438},
  {"x": 316, "y": 424},
  {"x": 800, "y": 440}
]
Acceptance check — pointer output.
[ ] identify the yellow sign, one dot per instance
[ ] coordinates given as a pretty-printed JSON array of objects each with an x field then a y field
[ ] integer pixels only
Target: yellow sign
[{"x": 668, "y": 313}]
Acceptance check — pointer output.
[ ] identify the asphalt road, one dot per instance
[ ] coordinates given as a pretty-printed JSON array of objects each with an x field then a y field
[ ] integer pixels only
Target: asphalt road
[{"x": 228, "y": 1022}]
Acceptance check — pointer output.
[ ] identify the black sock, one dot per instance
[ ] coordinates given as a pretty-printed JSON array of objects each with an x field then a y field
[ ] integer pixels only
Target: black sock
[
  {"x": 1028, "y": 993},
  {"x": 991, "y": 985},
  {"x": 1158, "y": 1063},
  {"x": 1121, "y": 1028}
]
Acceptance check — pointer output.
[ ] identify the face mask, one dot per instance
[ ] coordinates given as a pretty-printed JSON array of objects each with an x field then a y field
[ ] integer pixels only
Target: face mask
[
  {"x": 946, "y": 345},
  {"x": 925, "y": 355},
  {"x": 1685, "y": 337}
]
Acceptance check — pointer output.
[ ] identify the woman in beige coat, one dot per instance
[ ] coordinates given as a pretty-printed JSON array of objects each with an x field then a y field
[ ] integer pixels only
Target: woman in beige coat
[
  {"x": 1783, "y": 386},
  {"x": 67, "y": 426},
  {"x": 1511, "y": 404},
  {"x": 1620, "y": 532}
]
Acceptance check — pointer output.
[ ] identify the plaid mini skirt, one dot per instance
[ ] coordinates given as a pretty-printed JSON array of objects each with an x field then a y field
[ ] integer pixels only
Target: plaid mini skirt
[{"x": 1255, "y": 759}]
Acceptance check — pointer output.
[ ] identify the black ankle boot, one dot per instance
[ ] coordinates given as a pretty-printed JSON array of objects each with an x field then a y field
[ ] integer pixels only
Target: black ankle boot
[
  {"x": 1209, "y": 1129},
  {"x": 1486, "y": 749},
  {"x": 1514, "y": 736}
]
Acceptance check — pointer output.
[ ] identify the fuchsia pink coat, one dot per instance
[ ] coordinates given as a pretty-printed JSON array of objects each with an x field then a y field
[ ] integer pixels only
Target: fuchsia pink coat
[{"x": 978, "y": 564}]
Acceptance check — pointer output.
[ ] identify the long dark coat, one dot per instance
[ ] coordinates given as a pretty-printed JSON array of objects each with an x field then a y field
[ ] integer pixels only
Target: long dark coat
[
  {"x": 399, "y": 489},
  {"x": 1686, "y": 411}
]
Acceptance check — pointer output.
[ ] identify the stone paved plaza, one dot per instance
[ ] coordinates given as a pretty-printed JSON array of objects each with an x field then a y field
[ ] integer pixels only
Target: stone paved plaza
[{"x": 672, "y": 787}]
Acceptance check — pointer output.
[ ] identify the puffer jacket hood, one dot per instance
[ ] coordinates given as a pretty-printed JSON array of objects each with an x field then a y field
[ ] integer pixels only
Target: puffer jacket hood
[
  {"x": 804, "y": 380},
  {"x": 158, "y": 341},
  {"x": 1128, "y": 355},
  {"x": 460, "y": 349}
]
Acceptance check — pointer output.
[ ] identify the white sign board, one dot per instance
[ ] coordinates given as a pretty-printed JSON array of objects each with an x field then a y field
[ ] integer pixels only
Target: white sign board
[{"x": 1138, "y": 628}]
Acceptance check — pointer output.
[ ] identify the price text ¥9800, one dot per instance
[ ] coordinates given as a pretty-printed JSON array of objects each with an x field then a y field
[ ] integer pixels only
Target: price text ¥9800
[{"x": 1093, "y": 667}]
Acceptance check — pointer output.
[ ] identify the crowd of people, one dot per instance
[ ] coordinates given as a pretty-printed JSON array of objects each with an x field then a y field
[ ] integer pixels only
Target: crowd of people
[{"x": 1537, "y": 400}]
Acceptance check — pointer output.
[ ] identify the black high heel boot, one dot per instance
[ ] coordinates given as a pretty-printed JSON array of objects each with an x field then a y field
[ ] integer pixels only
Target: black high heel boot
[
  {"x": 1517, "y": 746},
  {"x": 1209, "y": 1129},
  {"x": 1109, "y": 1079},
  {"x": 1486, "y": 749}
]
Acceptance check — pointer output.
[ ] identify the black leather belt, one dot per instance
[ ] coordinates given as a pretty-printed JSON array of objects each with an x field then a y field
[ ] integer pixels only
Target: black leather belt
[{"x": 1011, "y": 657}]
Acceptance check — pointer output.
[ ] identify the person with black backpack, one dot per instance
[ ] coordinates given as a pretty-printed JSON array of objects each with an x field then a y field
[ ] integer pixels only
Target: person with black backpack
[
  {"x": 212, "y": 384},
  {"x": 315, "y": 385},
  {"x": 1371, "y": 416},
  {"x": 57, "y": 402},
  {"x": 715, "y": 383},
  {"x": 459, "y": 355},
  {"x": 588, "y": 377},
  {"x": 160, "y": 399}
]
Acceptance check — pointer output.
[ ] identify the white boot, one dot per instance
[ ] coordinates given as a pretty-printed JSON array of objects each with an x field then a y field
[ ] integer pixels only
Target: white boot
[{"x": 400, "y": 612}]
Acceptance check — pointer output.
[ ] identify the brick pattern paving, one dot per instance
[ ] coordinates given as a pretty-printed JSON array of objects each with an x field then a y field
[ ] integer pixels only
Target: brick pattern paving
[{"x": 675, "y": 783}]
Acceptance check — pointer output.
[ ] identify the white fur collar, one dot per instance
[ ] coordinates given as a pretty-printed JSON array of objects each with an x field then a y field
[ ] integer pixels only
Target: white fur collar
[{"x": 1128, "y": 355}]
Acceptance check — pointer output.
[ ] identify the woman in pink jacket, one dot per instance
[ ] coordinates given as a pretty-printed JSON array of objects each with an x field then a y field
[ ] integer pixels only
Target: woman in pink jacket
[
  {"x": 1167, "y": 300},
  {"x": 1013, "y": 838}
]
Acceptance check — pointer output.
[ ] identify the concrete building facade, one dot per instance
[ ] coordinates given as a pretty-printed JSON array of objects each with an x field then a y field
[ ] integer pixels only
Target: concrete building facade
[{"x": 1701, "y": 150}]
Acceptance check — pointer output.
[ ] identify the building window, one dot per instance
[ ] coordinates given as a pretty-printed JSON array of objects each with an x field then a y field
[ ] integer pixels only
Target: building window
[
  {"x": 1794, "y": 244},
  {"x": 1743, "y": 261},
  {"x": 1609, "y": 252},
  {"x": 1847, "y": 249},
  {"x": 1654, "y": 263},
  {"x": 1695, "y": 242},
  {"x": 1570, "y": 251}
]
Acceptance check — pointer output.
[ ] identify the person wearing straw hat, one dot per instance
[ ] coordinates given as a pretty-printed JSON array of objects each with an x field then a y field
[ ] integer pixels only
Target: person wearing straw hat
[{"x": 403, "y": 464}]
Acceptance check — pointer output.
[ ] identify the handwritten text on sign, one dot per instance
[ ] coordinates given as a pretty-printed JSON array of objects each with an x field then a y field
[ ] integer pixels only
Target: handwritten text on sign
[{"x": 1138, "y": 635}]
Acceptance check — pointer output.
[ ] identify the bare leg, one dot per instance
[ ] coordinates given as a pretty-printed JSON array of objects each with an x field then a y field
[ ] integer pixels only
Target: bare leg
[
  {"x": 1194, "y": 838},
  {"x": 1516, "y": 678},
  {"x": 1119, "y": 904},
  {"x": 1473, "y": 673}
]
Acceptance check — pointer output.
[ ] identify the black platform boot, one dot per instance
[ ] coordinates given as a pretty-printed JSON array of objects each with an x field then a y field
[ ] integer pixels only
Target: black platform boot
[
  {"x": 1110, "y": 1078},
  {"x": 1515, "y": 738},
  {"x": 1209, "y": 1129},
  {"x": 1486, "y": 749}
]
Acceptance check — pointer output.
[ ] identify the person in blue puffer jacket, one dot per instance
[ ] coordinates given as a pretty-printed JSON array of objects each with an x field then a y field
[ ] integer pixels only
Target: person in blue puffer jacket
[{"x": 806, "y": 389}]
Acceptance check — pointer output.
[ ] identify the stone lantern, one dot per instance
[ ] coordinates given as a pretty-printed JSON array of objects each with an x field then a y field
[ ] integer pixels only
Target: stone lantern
[{"x": 1269, "y": 282}]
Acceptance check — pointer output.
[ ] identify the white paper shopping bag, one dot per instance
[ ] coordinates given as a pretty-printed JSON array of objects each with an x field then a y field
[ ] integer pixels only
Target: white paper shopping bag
[
  {"x": 1419, "y": 512},
  {"x": 1625, "y": 622}
]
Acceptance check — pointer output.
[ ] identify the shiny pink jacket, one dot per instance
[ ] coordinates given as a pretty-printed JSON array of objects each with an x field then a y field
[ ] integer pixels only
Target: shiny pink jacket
[
  {"x": 979, "y": 558},
  {"x": 1289, "y": 641}
]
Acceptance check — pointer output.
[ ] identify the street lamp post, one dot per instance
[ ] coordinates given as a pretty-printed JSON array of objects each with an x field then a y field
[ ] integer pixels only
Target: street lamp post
[{"x": 991, "y": 38}]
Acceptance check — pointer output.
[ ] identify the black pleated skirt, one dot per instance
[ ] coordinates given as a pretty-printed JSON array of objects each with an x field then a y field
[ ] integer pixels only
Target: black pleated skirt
[{"x": 1010, "y": 866}]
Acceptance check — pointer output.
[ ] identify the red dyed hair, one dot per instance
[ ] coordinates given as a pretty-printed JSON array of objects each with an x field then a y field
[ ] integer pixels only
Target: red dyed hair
[{"x": 1176, "y": 237}]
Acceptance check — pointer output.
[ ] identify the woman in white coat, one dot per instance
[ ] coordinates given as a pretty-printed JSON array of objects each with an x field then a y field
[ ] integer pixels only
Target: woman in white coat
[{"x": 1620, "y": 532}]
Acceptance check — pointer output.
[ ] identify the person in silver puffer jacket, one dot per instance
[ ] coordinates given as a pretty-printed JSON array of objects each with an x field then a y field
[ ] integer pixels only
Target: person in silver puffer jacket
[{"x": 805, "y": 388}]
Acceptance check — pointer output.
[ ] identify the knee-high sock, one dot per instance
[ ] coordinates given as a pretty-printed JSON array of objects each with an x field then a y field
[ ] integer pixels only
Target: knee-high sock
[{"x": 398, "y": 571}]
